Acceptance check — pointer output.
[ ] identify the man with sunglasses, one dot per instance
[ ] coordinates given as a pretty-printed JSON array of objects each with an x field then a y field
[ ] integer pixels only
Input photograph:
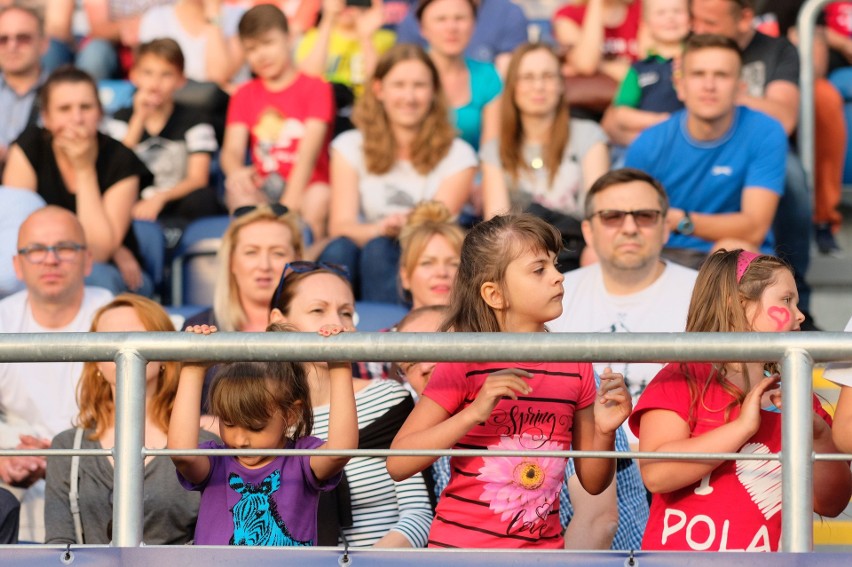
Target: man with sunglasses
[
  {"x": 22, "y": 44},
  {"x": 38, "y": 400},
  {"x": 630, "y": 289},
  {"x": 723, "y": 165}
]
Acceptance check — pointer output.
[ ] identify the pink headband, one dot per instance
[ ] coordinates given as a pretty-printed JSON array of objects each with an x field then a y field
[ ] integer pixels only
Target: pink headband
[{"x": 744, "y": 259}]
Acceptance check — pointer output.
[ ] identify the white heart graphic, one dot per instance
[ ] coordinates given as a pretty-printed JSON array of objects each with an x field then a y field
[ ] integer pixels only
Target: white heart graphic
[{"x": 761, "y": 479}]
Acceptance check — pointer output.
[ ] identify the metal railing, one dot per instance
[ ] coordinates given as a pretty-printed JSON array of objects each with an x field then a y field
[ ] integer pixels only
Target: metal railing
[
  {"x": 796, "y": 351},
  {"x": 805, "y": 25}
]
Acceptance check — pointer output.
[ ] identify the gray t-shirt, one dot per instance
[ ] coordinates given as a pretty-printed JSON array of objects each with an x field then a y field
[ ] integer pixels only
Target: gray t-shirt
[
  {"x": 169, "y": 510},
  {"x": 566, "y": 193}
]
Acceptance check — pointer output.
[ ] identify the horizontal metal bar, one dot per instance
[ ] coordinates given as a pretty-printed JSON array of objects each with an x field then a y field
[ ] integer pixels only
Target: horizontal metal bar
[
  {"x": 55, "y": 452},
  {"x": 306, "y": 347}
]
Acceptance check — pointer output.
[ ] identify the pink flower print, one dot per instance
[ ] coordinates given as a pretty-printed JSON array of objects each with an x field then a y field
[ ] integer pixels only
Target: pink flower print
[{"x": 522, "y": 487}]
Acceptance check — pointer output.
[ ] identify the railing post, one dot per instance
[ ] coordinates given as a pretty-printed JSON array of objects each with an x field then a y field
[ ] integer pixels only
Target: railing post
[
  {"x": 127, "y": 513},
  {"x": 797, "y": 447},
  {"x": 805, "y": 25}
]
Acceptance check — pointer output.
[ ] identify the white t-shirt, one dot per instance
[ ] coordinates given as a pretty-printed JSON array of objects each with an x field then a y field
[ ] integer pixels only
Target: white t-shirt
[
  {"x": 840, "y": 372},
  {"x": 39, "y": 398},
  {"x": 401, "y": 188},
  {"x": 659, "y": 308},
  {"x": 162, "y": 21}
]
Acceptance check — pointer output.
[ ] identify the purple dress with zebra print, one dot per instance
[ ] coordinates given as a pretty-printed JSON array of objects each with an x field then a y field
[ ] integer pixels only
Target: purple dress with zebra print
[{"x": 275, "y": 505}]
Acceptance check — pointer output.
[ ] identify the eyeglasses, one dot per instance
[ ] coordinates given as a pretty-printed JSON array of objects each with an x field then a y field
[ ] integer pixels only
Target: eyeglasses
[
  {"x": 277, "y": 209},
  {"x": 64, "y": 252},
  {"x": 304, "y": 267},
  {"x": 614, "y": 218},
  {"x": 531, "y": 78},
  {"x": 19, "y": 38}
]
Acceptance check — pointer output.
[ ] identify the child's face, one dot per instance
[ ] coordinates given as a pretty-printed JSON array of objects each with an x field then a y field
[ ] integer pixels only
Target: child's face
[
  {"x": 268, "y": 54},
  {"x": 667, "y": 20},
  {"x": 777, "y": 311},
  {"x": 156, "y": 80},
  {"x": 272, "y": 436},
  {"x": 406, "y": 93},
  {"x": 534, "y": 291}
]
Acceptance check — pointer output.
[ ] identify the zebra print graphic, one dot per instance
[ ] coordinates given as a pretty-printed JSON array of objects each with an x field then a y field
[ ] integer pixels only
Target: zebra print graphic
[{"x": 256, "y": 517}]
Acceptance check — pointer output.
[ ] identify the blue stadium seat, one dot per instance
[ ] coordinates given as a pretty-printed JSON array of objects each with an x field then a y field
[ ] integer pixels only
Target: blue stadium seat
[
  {"x": 374, "y": 316},
  {"x": 152, "y": 248},
  {"x": 115, "y": 94},
  {"x": 194, "y": 263}
]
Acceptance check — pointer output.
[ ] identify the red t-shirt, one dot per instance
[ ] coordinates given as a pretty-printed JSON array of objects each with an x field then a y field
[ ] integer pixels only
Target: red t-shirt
[
  {"x": 276, "y": 122},
  {"x": 838, "y": 17},
  {"x": 620, "y": 41},
  {"x": 508, "y": 501},
  {"x": 738, "y": 506}
]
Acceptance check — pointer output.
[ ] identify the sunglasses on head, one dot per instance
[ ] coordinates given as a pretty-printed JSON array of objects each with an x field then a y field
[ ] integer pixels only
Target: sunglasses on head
[
  {"x": 277, "y": 208},
  {"x": 304, "y": 267},
  {"x": 642, "y": 217}
]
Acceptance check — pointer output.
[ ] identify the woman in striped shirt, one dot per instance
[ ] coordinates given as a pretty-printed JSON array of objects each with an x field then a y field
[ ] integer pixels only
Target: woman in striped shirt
[{"x": 368, "y": 508}]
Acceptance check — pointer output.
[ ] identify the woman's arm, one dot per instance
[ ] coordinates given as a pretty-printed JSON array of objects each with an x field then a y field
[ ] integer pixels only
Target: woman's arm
[
  {"x": 106, "y": 219},
  {"x": 594, "y": 164},
  {"x": 490, "y": 121},
  {"x": 19, "y": 172},
  {"x": 454, "y": 191},
  {"x": 430, "y": 426},
  {"x": 58, "y": 520},
  {"x": 495, "y": 194},
  {"x": 342, "y": 415},
  {"x": 415, "y": 515}
]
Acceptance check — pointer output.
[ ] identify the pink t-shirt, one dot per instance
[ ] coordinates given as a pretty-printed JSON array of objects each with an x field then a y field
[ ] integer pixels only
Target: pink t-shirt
[
  {"x": 620, "y": 41},
  {"x": 738, "y": 506},
  {"x": 276, "y": 122},
  {"x": 508, "y": 501}
]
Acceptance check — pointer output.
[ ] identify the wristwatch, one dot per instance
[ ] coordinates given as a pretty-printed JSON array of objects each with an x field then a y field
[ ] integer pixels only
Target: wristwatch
[{"x": 685, "y": 226}]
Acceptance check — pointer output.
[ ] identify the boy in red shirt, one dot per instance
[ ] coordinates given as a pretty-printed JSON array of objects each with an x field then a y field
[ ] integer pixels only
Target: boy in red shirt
[{"x": 282, "y": 116}]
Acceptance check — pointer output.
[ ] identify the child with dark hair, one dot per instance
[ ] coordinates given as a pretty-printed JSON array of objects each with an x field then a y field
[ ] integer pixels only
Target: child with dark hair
[
  {"x": 508, "y": 282},
  {"x": 255, "y": 499},
  {"x": 174, "y": 142}
]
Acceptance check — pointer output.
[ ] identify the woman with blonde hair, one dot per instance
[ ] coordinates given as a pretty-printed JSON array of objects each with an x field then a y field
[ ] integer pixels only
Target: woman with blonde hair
[
  {"x": 169, "y": 511},
  {"x": 403, "y": 151},
  {"x": 430, "y": 246},
  {"x": 257, "y": 245}
]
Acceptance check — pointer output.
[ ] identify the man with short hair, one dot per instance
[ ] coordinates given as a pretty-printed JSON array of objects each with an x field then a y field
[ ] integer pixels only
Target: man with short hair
[
  {"x": 630, "y": 290},
  {"x": 38, "y": 400},
  {"x": 722, "y": 164},
  {"x": 770, "y": 72},
  {"x": 22, "y": 44}
]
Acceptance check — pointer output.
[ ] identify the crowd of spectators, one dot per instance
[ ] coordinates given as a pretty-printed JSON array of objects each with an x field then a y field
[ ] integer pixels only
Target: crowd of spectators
[{"x": 352, "y": 144}]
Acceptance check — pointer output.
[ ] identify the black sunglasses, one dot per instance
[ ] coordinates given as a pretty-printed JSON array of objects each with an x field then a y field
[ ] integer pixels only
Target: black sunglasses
[
  {"x": 304, "y": 267},
  {"x": 277, "y": 208},
  {"x": 642, "y": 217}
]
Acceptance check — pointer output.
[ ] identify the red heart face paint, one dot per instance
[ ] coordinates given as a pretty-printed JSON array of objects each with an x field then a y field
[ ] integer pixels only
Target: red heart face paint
[{"x": 780, "y": 315}]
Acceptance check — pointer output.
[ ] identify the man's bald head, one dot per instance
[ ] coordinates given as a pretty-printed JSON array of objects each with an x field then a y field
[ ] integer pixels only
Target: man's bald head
[{"x": 63, "y": 220}]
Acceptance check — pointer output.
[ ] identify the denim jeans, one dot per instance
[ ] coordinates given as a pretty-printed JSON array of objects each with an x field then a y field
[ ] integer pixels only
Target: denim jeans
[
  {"x": 374, "y": 268},
  {"x": 107, "y": 276},
  {"x": 793, "y": 226}
]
